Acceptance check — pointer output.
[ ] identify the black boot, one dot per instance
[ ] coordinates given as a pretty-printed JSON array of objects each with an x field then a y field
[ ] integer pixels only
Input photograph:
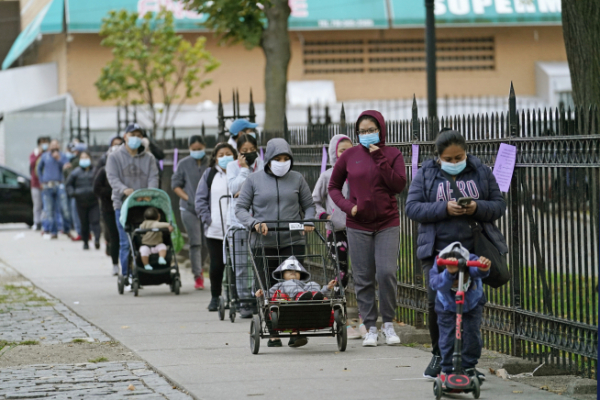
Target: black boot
[
  {"x": 214, "y": 304},
  {"x": 86, "y": 246}
]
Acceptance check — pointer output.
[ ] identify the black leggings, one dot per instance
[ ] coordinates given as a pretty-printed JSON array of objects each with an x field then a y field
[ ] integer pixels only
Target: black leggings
[
  {"x": 89, "y": 215},
  {"x": 111, "y": 235},
  {"x": 217, "y": 267},
  {"x": 432, "y": 320}
]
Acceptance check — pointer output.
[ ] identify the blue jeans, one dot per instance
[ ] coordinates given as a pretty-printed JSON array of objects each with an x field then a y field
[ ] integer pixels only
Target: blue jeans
[
  {"x": 55, "y": 201},
  {"x": 471, "y": 336},
  {"x": 75, "y": 215},
  {"x": 123, "y": 245}
]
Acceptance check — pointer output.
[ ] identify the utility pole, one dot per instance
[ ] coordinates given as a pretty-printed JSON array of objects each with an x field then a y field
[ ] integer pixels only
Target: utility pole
[{"x": 431, "y": 67}]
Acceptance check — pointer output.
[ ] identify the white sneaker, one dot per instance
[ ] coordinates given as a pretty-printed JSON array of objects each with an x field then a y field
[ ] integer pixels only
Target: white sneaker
[
  {"x": 116, "y": 270},
  {"x": 391, "y": 338},
  {"x": 47, "y": 236},
  {"x": 353, "y": 333},
  {"x": 371, "y": 338},
  {"x": 362, "y": 330}
]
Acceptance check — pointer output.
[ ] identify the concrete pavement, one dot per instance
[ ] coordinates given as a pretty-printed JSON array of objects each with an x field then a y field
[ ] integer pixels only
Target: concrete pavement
[{"x": 210, "y": 358}]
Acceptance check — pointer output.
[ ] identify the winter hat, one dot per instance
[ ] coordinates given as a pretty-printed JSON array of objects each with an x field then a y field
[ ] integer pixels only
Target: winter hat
[
  {"x": 455, "y": 250},
  {"x": 291, "y": 264}
]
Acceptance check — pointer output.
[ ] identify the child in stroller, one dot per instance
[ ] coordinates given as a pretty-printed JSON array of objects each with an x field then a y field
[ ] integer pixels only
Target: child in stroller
[
  {"x": 152, "y": 242},
  {"x": 293, "y": 283}
]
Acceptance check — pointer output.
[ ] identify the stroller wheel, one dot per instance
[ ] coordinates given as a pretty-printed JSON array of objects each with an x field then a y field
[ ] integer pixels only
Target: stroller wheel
[
  {"x": 120, "y": 284},
  {"x": 338, "y": 317},
  {"x": 274, "y": 319},
  {"x": 255, "y": 334},
  {"x": 437, "y": 388},
  {"x": 135, "y": 286},
  {"x": 221, "y": 308},
  {"x": 176, "y": 286},
  {"x": 476, "y": 388},
  {"x": 232, "y": 314},
  {"x": 341, "y": 336}
]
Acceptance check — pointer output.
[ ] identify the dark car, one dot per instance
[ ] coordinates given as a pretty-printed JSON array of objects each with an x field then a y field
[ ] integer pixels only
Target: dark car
[{"x": 15, "y": 197}]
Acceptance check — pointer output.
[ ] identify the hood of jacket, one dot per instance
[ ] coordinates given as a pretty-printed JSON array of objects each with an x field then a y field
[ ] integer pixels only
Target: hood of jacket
[
  {"x": 291, "y": 264},
  {"x": 276, "y": 147},
  {"x": 333, "y": 147},
  {"x": 382, "y": 129}
]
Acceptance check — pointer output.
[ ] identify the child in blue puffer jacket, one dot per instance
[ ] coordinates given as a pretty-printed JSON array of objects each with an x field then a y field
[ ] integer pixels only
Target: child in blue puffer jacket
[{"x": 445, "y": 281}]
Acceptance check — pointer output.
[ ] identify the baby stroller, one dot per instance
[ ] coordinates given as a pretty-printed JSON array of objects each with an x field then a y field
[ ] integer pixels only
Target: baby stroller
[
  {"x": 458, "y": 381},
  {"x": 238, "y": 271},
  {"x": 132, "y": 215},
  {"x": 279, "y": 317}
]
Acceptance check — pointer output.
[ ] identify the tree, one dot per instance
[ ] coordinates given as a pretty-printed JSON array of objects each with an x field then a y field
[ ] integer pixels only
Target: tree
[
  {"x": 152, "y": 65},
  {"x": 256, "y": 23},
  {"x": 581, "y": 30}
]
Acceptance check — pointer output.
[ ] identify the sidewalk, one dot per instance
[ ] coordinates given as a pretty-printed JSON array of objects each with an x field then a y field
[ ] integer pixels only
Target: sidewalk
[{"x": 210, "y": 358}]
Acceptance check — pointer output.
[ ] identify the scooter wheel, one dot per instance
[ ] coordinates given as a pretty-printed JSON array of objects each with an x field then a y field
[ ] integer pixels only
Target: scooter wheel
[
  {"x": 476, "y": 388},
  {"x": 437, "y": 388}
]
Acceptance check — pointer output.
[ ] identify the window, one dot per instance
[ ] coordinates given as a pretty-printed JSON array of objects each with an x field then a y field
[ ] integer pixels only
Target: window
[{"x": 8, "y": 178}]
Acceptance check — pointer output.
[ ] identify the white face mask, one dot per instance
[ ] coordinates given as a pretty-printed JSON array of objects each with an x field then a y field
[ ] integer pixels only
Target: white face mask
[{"x": 279, "y": 168}]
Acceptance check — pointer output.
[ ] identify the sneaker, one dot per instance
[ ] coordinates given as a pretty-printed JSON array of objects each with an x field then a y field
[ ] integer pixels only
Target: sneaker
[
  {"x": 434, "y": 368},
  {"x": 274, "y": 343},
  {"x": 362, "y": 329},
  {"x": 199, "y": 285},
  {"x": 115, "y": 270},
  {"x": 298, "y": 341},
  {"x": 371, "y": 337},
  {"x": 47, "y": 236},
  {"x": 148, "y": 268},
  {"x": 214, "y": 304},
  {"x": 318, "y": 296},
  {"x": 74, "y": 235},
  {"x": 86, "y": 246},
  {"x": 97, "y": 244},
  {"x": 473, "y": 372},
  {"x": 38, "y": 227},
  {"x": 55, "y": 236},
  {"x": 305, "y": 296},
  {"x": 162, "y": 261},
  {"x": 353, "y": 333},
  {"x": 391, "y": 338}
]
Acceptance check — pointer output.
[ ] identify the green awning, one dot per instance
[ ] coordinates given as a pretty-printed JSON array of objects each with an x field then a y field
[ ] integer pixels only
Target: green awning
[
  {"x": 49, "y": 20},
  {"x": 86, "y": 16},
  {"x": 337, "y": 14},
  {"x": 407, "y": 13}
]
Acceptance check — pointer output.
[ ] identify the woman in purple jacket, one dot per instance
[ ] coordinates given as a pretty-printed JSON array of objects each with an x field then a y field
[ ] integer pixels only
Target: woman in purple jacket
[
  {"x": 375, "y": 175},
  {"x": 433, "y": 204}
]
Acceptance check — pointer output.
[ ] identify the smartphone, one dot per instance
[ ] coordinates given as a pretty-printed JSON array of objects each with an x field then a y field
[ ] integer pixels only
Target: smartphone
[{"x": 464, "y": 201}]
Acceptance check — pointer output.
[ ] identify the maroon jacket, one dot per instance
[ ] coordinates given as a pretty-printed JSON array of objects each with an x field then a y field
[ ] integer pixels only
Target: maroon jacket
[
  {"x": 35, "y": 181},
  {"x": 374, "y": 180}
]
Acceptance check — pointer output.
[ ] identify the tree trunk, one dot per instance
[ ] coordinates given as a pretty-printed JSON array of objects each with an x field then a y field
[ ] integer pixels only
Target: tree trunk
[
  {"x": 581, "y": 30},
  {"x": 276, "y": 45}
]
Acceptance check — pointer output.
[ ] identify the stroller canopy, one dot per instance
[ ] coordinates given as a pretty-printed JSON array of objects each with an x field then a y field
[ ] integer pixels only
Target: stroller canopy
[{"x": 153, "y": 198}]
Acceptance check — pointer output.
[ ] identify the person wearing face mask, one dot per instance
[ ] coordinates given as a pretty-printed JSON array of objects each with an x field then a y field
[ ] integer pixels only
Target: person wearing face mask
[
  {"x": 375, "y": 174},
  {"x": 213, "y": 186},
  {"x": 276, "y": 193},
  {"x": 434, "y": 204},
  {"x": 241, "y": 127},
  {"x": 184, "y": 183},
  {"x": 129, "y": 168},
  {"x": 43, "y": 143},
  {"x": 74, "y": 150},
  {"x": 80, "y": 187},
  {"x": 103, "y": 192},
  {"x": 248, "y": 163}
]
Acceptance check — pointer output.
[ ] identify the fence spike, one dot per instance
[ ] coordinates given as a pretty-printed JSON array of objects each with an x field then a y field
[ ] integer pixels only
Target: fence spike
[{"x": 251, "y": 111}]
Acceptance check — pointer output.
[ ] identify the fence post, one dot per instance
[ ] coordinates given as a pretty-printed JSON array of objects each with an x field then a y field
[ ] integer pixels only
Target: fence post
[
  {"x": 221, "y": 118},
  {"x": 251, "y": 112},
  {"x": 343, "y": 120},
  {"x": 515, "y": 266},
  {"x": 87, "y": 127},
  {"x": 286, "y": 132}
]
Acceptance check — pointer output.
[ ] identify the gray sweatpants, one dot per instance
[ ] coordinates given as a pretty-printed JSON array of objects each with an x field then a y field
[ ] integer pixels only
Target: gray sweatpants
[
  {"x": 198, "y": 249},
  {"x": 36, "y": 197},
  {"x": 374, "y": 258},
  {"x": 238, "y": 246}
]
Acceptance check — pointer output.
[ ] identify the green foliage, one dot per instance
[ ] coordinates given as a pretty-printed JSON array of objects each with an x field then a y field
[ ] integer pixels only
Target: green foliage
[
  {"x": 151, "y": 63},
  {"x": 235, "y": 21}
]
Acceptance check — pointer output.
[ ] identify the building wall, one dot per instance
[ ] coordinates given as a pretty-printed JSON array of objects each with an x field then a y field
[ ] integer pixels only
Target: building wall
[
  {"x": 10, "y": 27},
  {"x": 30, "y": 9},
  {"x": 516, "y": 49}
]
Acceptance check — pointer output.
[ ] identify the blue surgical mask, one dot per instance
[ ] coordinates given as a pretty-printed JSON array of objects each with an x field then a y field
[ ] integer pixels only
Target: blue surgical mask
[
  {"x": 223, "y": 161},
  {"x": 252, "y": 134},
  {"x": 134, "y": 142},
  {"x": 69, "y": 155},
  {"x": 368, "y": 139},
  {"x": 454, "y": 169},
  {"x": 44, "y": 146},
  {"x": 85, "y": 163},
  {"x": 197, "y": 154}
]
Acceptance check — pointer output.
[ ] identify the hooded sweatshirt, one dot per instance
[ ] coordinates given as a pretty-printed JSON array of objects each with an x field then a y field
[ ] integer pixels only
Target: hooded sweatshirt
[
  {"x": 374, "y": 179},
  {"x": 236, "y": 177},
  {"x": 135, "y": 172},
  {"x": 293, "y": 287},
  {"x": 266, "y": 197},
  {"x": 323, "y": 202},
  {"x": 187, "y": 177}
]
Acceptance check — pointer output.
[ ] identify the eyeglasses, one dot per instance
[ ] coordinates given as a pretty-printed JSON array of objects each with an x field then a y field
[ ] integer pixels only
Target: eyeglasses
[{"x": 365, "y": 131}]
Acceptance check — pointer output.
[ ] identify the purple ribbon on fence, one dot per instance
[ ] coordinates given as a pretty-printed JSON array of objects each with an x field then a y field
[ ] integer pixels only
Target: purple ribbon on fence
[
  {"x": 262, "y": 156},
  {"x": 415, "y": 160},
  {"x": 175, "y": 157},
  {"x": 324, "y": 160},
  {"x": 160, "y": 164}
]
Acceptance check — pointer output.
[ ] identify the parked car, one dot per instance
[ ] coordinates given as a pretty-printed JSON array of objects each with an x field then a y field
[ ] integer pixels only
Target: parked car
[{"x": 15, "y": 197}]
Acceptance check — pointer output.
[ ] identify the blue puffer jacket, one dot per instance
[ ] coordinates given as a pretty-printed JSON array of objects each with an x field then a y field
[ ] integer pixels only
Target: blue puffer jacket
[{"x": 428, "y": 197}]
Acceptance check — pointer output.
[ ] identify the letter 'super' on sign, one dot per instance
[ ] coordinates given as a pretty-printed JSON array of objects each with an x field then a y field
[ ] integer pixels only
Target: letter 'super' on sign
[{"x": 491, "y": 7}]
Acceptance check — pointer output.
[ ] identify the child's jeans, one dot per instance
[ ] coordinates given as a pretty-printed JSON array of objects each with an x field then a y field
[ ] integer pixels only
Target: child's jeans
[
  {"x": 145, "y": 251},
  {"x": 471, "y": 336}
]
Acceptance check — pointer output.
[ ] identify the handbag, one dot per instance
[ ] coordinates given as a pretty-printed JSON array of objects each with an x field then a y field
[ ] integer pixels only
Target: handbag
[{"x": 499, "y": 274}]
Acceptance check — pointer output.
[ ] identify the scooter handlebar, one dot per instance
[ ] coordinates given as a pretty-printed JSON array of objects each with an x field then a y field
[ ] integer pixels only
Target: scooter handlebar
[{"x": 443, "y": 262}]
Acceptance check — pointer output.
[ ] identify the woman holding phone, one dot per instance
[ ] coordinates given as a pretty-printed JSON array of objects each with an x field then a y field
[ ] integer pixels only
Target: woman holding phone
[{"x": 445, "y": 216}]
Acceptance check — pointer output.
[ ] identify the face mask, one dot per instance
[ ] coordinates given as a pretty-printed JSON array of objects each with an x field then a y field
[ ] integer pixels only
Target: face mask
[
  {"x": 134, "y": 142},
  {"x": 252, "y": 134},
  {"x": 197, "y": 154},
  {"x": 223, "y": 161},
  {"x": 44, "y": 146},
  {"x": 251, "y": 157},
  {"x": 69, "y": 155},
  {"x": 454, "y": 169},
  {"x": 280, "y": 168},
  {"x": 369, "y": 139},
  {"x": 85, "y": 163}
]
